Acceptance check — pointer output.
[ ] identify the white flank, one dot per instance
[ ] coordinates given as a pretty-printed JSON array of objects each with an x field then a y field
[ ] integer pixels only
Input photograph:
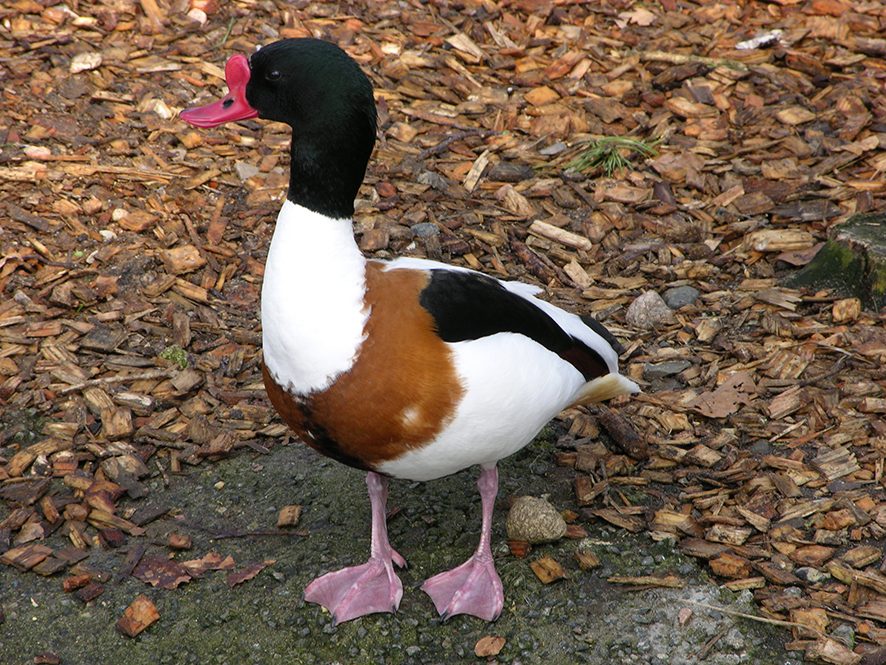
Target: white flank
[
  {"x": 312, "y": 300},
  {"x": 513, "y": 387}
]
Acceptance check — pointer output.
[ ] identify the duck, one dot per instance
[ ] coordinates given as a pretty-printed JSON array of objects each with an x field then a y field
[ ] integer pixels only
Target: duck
[{"x": 405, "y": 368}]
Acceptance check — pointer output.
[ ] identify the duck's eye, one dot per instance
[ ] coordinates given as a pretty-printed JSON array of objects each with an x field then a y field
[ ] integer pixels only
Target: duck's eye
[{"x": 273, "y": 76}]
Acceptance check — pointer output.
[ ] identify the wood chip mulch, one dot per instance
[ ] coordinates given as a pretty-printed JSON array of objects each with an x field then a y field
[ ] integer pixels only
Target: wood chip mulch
[{"x": 132, "y": 246}]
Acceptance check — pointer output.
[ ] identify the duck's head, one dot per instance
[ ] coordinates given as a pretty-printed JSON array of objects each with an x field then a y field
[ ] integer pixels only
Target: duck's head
[{"x": 319, "y": 90}]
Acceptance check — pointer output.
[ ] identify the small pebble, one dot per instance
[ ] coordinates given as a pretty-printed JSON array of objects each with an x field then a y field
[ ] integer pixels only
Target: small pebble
[
  {"x": 648, "y": 311},
  {"x": 759, "y": 448},
  {"x": 811, "y": 575},
  {"x": 425, "y": 229},
  {"x": 845, "y": 633},
  {"x": 661, "y": 370},
  {"x": 552, "y": 150},
  {"x": 509, "y": 172},
  {"x": 432, "y": 179},
  {"x": 245, "y": 170},
  {"x": 535, "y": 521},
  {"x": 680, "y": 296}
]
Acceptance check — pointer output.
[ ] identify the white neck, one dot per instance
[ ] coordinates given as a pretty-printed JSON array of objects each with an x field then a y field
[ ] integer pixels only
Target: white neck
[{"x": 312, "y": 304}]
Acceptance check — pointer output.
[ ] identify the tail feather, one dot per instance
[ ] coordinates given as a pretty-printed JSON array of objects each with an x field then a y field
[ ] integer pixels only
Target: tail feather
[{"x": 603, "y": 388}]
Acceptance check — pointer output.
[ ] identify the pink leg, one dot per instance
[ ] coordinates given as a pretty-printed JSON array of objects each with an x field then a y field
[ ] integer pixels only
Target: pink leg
[
  {"x": 373, "y": 587},
  {"x": 474, "y": 587}
]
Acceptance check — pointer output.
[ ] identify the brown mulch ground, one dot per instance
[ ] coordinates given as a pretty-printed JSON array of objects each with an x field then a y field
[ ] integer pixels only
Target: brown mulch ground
[{"x": 132, "y": 245}]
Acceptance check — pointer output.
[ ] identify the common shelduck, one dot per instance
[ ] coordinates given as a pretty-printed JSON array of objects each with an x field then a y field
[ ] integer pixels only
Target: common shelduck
[{"x": 405, "y": 368}]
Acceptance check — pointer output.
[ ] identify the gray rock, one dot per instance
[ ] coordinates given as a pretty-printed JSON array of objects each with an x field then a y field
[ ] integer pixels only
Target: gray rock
[
  {"x": 845, "y": 633},
  {"x": 648, "y": 311},
  {"x": 425, "y": 229},
  {"x": 552, "y": 150},
  {"x": 432, "y": 179},
  {"x": 680, "y": 296},
  {"x": 664, "y": 384},
  {"x": 759, "y": 448},
  {"x": 245, "y": 171},
  {"x": 509, "y": 172},
  {"x": 811, "y": 575},
  {"x": 667, "y": 368}
]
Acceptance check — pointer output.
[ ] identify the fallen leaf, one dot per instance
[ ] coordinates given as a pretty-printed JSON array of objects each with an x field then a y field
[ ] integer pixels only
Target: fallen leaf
[
  {"x": 489, "y": 646},
  {"x": 640, "y": 16},
  {"x": 164, "y": 573},
  {"x": 728, "y": 398},
  {"x": 249, "y": 572}
]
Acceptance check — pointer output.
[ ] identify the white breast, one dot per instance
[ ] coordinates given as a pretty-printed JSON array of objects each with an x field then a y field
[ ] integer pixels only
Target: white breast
[{"x": 312, "y": 307}]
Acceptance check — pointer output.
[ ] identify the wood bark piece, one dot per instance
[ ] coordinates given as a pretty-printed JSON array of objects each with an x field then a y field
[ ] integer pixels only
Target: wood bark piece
[
  {"x": 288, "y": 516},
  {"x": 730, "y": 565},
  {"x": 138, "y": 616},
  {"x": 813, "y": 622},
  {"x": 831, "y": 651},
  {"x": 117, "y": 423},
  {"x": 859, "y": 557},
  {"x": 587, "y": 560},
  {"x": 562, "y": 236},
  {"x": 89, "y": 592},
  {"x": 547, "y": 570},
  {"x": 25, "y": 557},
  {"x": 870, "y": 579},
  {"x": 103, "y": 519},
  {"x": 623, "y": 434}
]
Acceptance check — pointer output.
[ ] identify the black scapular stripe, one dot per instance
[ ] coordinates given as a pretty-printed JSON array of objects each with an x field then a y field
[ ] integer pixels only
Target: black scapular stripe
[{"x": 468, "y": 306}]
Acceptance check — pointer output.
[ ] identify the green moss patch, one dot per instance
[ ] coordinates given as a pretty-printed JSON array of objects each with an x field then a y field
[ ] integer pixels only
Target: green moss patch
[{"x": 852, "y": 263}]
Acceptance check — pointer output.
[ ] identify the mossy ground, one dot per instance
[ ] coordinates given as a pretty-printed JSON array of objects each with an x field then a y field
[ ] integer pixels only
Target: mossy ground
[
  {"x": 852, "y": 263},
  {"x": 265, "y": 620}
]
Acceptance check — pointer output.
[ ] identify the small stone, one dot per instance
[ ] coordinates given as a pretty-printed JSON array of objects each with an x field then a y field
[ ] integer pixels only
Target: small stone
[
  {"x": 680, "y": 296},
  {"x": 552, "y": 150},
  {"x": 425, "y": 229},
  {"x": 664, "y": 384},
  {"x": 845, "y": 633},
  {"x": 648, "y": 311},
  {"x": 535, "y": 521},
  {"x": 431, "y": 179},
  {"x": 811, "y": 575},
  {"x": 509, "y": 172},
  {"x": 245, "y": 171},
  {"x": 102, "y": 339},
  {"x": 667, "y": 368},
  {"x": 759, "y": 448},
  {"x": 181, "y": 260}
]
